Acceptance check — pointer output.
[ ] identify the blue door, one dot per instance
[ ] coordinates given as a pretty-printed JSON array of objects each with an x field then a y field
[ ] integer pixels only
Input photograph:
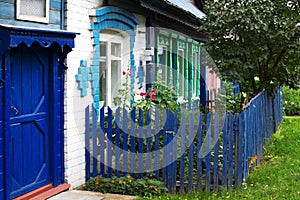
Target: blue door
[{"x": 29, "y": 119}]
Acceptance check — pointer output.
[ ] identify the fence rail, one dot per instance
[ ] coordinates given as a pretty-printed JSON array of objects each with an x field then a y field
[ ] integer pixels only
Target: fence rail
[{"x": 187, "y": 150}]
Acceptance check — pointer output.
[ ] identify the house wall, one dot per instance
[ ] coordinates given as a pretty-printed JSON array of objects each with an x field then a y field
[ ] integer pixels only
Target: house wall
[
  {"x": 8, "y": 15},
  {"x": 78, "y": 20}
]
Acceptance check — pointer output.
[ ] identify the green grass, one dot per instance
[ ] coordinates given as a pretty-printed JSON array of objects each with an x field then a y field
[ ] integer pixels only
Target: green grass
[{"x": 278, "y": 176}]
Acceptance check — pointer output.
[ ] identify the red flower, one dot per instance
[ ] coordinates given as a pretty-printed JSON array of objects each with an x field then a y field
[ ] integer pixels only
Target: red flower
[
  {"x": 123, "y": 72},
  {"x": 143, "y": 94}
]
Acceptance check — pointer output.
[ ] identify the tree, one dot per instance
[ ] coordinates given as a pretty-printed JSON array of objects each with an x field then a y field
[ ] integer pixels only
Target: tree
[{"x": 255, "y": 43}]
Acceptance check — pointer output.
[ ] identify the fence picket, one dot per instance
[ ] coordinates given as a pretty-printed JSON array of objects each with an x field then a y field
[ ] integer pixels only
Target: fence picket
[
  {"x": 94, "y": 143},
  {"x": 225, "y": 150},
  {"x": 199, "y": 156},
  {"x": 132, "y": 142},
  {"x": 118, "y": 143},
  {"x": 216, "y": 151},
  {"x": 156, "y": 144},
  {"x": 87, "y": 143},
  {"x": 230, "y": 151},
  {"x": 140, "y": 143},
  {"x": 125, "y": 141},
  {"x": 191, "y": 152},
  {"x": 102, "y": 142},
  {"x": 109, "y": 142},
  {"x": 207, "y": 151},
  {"x": 182, "y": 152}
]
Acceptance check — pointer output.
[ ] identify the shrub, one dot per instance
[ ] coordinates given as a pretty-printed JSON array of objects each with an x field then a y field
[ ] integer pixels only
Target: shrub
[
  {"x": 291, "y": 101},
  {"x": 126, "y": 185}
]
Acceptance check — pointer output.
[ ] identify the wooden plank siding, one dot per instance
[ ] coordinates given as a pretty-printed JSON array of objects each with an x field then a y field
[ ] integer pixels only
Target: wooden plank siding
[{"x": 8, "y": 15}]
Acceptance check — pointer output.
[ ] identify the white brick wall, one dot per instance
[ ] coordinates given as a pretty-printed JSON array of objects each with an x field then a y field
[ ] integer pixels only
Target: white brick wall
[{"x": 77, "y": 20}]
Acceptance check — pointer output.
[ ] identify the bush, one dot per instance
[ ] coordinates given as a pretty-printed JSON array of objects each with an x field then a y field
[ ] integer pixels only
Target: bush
[
  {"x": 126, "y": 185},
  {"x": 291, "y": 101}
]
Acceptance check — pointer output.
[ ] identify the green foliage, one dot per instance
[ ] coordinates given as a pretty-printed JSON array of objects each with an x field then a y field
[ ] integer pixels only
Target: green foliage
[
  {"x": 228, "y": 101},
  {"x": 159, "y": 96},
  {"x": 254, "y": 38},
  {"x": 291, "y": 101},
  {"x": 124, "y": 95},
  {"x": 126, "y": 185}
]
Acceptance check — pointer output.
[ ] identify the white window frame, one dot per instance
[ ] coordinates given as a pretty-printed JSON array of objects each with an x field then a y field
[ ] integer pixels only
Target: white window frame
[
  {"x": 181, "y": 74},
  {"x": 109, "y": 39},
  {"x": 32, "y": 17},
  {"x": 195, "y": 65}
]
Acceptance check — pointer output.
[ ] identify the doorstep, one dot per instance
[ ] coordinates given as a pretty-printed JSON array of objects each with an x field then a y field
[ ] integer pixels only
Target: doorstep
[{"x": 44, "y": 192}]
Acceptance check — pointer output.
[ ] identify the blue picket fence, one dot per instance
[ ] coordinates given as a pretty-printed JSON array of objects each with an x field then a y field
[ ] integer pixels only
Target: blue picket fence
[{"x": 188, "y": 150}]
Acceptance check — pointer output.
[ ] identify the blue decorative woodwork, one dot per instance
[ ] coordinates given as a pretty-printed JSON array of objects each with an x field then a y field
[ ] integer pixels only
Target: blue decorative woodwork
[
  {"x": 107, "y": 18},
  {"x": 32, "y": 116},
  {"x": 83, "y": 77}
]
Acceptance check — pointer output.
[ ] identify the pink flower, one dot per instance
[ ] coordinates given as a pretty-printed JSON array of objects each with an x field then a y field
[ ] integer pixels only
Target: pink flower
[
  {"x": 123, "y": 72},
  {"x": 130, "y": 72},
  {"x": 152, "y": 98},
  {"x": 153, "y": 92}
]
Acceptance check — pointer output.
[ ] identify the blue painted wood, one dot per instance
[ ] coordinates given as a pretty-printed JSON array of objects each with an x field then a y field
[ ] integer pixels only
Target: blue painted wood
[
  {"x": 182, "y": 151},
  {"x": 125, "y": 141},
  {"x": 29, "y": 139},
  {"x": 2, "y": 144},
  {"x": 170, "y": 172},
  {"x": 156, "y": 144},
  {"x": 216, "y": 151},
  {"x": 94, "y": 142},
  {"x": 7, "y": 15},
  {"x": 132, "y": 142},
  {"x": 148, "y": 141},
  {"x": 241, "y": 140},
  {"x": 207, "y": 151},
  {"x": 140, "y": 143},
  {"x": 7, "y": 136},
  {"x": 87, "y": 144},
  {"x": 230, "y": 151},
  {"x": 118, "y": 143},
  {"x": 191, "y": 152},
  {"x": 199, "y": 156},
  {"x": 109, "y": 142},
  {"x": 102, "y": 142},
  {"x": 225, "y": 150}
]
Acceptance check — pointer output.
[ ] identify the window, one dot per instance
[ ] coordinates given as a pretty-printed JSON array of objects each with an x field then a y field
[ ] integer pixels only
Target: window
[
  {"x": 163, "y": 64},
  {"x": 33, "y": 10},
  {"x": 112, "y": 47}
]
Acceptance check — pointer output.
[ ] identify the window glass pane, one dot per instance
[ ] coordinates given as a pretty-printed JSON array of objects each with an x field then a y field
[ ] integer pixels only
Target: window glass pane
[
  {"x": 116, "y": 49},
  {"x": 163, "y": 62},
  {"x": 103, "y": 46},
  {"x": 33, "y": 7},
  {"x": 115, "y": 77},
  {"x": 103, "y": 81}
]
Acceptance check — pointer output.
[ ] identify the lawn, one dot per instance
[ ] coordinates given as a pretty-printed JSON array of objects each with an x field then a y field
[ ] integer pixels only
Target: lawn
[{"x": 278, "y": 175}]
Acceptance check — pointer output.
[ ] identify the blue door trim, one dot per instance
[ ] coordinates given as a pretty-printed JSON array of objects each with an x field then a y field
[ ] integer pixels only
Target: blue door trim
[
  {"x": 7, "y": 160},
  {"x": 59, "y": 43}
]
